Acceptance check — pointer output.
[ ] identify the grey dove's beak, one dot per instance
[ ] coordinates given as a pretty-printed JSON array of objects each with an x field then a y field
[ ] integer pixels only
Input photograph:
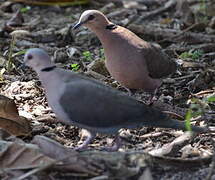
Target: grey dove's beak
[{"x": 22, "y": 66}]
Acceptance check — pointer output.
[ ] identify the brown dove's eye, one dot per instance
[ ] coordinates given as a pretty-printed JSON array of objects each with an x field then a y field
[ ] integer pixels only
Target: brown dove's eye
[
  {"x": 91, "y": 17},
  {"x": 29, "y": 57}
]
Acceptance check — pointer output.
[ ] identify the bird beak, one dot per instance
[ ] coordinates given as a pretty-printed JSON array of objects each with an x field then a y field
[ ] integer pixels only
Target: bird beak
[{"x": 77, "y": 25}]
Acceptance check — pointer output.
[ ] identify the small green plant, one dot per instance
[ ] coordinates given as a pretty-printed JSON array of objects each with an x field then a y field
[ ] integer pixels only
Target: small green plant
[
  {"x": 87, "y": 56},
  {"x": 197, "y": 108},
  {"x": 192, "y": 54},
  {"x": 75, "y": 67},
  {"x": 9, "y": 64},
  {"x": 25, "y": 9},
  {"x": 19, "y": 53},
  {"x": 203, "y": 6},
  {"x": 102, "y": 54},
  {"x": 188, "y": 119}
]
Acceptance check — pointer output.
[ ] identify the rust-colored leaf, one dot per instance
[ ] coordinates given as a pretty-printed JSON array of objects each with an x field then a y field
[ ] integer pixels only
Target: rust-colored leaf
[
  {"x": 53, "y": 2},
  {"x": 10, "y": 119},
  {"x": 13, "y": 127}
]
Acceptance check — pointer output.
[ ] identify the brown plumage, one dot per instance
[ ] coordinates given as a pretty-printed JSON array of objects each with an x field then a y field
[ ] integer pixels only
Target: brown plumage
[{"x": 133, "y": 62}]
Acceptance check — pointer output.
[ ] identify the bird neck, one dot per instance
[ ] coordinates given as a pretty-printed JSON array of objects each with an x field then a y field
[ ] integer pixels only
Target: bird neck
[
  {"x": 48, "y": 76},
  {"x": 49, "y": 68},
  {"x": 45, "y": 69},
  {"x": 104, "y": 32}
]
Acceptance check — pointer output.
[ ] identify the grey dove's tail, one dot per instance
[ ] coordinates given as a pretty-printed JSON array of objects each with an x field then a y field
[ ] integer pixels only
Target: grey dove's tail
[{"x": 175, "y": 124}]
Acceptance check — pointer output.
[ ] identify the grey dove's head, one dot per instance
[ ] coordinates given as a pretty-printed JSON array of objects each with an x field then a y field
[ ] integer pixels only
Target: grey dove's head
[
  {"x": 37, "y": 59},
  {"x": 92, "y": 19}
]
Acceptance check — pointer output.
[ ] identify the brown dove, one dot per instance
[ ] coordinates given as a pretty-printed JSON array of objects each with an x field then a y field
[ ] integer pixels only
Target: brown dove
[{"x": 133, "y": 62}]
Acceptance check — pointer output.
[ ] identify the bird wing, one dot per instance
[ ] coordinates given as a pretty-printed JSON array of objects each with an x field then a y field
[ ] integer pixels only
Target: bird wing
[
  {"x": 158, "y": 63},
  {"x": 93, "y": 104}
]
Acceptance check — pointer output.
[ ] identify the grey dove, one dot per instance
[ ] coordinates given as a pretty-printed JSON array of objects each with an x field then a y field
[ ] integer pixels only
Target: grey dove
[
  {"x": 133, "y": 62},
  {"x": 89, "y": 104}
]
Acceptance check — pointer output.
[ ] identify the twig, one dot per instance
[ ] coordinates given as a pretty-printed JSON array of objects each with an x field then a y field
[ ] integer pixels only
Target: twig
[
  {"x": 167, "y": 6},
  {"x": 189, "y": 37},
  {"x": 211, "y": 172}
]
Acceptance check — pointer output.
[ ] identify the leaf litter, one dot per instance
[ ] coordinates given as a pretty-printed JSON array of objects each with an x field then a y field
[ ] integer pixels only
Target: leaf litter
[{"x": 195, "y": 79}]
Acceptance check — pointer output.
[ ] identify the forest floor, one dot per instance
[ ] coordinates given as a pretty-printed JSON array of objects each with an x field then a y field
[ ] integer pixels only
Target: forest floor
[{"x": 185, "y": 31}]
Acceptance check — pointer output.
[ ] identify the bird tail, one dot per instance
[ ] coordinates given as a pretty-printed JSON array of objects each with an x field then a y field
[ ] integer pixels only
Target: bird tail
[{"x": 175, "y": 124}]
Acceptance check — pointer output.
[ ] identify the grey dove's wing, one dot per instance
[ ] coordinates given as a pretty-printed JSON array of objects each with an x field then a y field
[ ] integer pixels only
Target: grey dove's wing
[
  {"x": 92, "y": 104},
  {"x": 100, "y": 106}
]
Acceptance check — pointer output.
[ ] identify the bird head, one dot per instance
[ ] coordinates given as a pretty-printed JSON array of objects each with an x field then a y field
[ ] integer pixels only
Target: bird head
[
  {"x": 37, "y": 59},
  {"x": 92, "y": 19}
]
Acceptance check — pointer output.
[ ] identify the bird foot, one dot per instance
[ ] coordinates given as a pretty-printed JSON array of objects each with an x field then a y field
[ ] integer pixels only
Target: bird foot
[
  {"x": 110, "y": 148},
  {"x": 117, "y": 144},
  {"x": 151, "y": 100},
  {"x": 81, "y": 148},
  {"x": 85, "y": 144}
]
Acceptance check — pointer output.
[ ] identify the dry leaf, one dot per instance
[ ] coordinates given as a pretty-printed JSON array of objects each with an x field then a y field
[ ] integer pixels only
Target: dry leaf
[
  {"x": 14, "y": 156},
  {"x": 13, "y": 127},
  {"x": 174, "y": 146},
  {"x": 71, "y": 160},
  {"x": 10, "y": 119},
  {"x": 53, "y": 2}
]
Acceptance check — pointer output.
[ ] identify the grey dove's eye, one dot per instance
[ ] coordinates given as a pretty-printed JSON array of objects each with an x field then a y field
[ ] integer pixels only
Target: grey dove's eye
[{"x": 29, "y": 57}]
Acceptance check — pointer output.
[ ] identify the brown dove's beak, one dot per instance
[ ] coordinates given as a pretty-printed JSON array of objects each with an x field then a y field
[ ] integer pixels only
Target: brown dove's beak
[{"x": 77, "y": 25}]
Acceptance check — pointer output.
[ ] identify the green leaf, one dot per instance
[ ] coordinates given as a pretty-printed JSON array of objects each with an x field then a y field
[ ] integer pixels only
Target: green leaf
[
  {"x": 192, "y": 54},
  {"x": 25, "y": 9},
  {"x": 210, "y": 98},
  {"x": 19, "y": 53},
  {"x": 75, "y": 67},
  {"x": 187, "y": 120},
  {"x": 102, "y": 54},
  {"x": 87, "y": 55},
  {"x": 184, "y": 55}
]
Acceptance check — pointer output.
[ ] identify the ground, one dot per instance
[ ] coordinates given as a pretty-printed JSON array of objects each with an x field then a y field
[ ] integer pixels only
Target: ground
[{"x": 186, "y": 32}]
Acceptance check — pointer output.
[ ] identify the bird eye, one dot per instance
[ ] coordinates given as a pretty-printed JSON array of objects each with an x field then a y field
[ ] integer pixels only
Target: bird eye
[
  {"x": 29, "y": 57},
  {"x": 91, "y": 17}
]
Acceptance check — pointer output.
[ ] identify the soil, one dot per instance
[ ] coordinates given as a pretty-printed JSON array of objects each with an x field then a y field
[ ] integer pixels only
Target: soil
[{"x": 48, "y": 27}]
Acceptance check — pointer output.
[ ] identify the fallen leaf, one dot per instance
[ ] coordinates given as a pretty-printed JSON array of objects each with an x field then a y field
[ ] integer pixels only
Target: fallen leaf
[
  {"x": 15, "y": 156},
  {"x": 16, "y": 22},
  {"x": 171, "y": 148},
  {"x": 10, "y": 119},
  {"x": 71, "y": 159},
  {"x": 53, "y": 2},
  {"x": 13, "y": 127}
]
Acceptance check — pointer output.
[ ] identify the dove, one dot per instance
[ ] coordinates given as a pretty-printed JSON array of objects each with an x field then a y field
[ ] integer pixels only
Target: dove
[
  {"x": 89, "y": 104},
  {"x": 133, "y": 62}
]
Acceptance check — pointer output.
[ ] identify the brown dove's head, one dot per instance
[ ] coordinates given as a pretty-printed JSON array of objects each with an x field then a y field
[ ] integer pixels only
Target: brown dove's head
[
  {"x": 37, "y": 59},
  {"x": 92, "y": 19}
]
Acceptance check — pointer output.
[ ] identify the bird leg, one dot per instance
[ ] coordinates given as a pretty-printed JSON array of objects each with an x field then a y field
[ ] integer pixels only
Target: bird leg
[
  {"x": 117, "y": 144},
  {"x": 84, "y": 145},
  {"x": 129, "y": 91},
  {"x": 152, "y": 98}
]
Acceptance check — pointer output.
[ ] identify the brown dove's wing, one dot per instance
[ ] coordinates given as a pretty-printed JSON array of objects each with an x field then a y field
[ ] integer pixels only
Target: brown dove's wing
[{"x": 158, "y": 63}]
